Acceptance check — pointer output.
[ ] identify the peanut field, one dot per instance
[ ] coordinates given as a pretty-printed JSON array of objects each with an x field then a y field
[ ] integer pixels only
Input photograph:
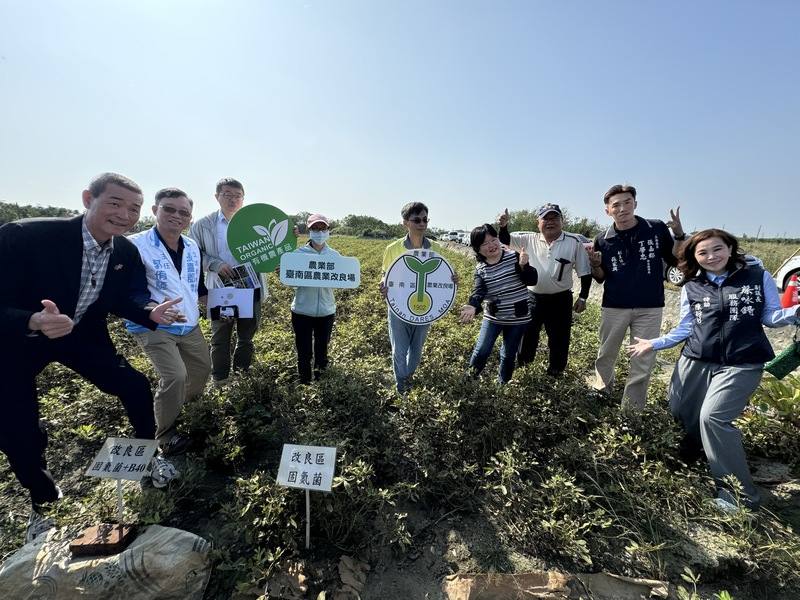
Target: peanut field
[{"x": 458, "y": 476}]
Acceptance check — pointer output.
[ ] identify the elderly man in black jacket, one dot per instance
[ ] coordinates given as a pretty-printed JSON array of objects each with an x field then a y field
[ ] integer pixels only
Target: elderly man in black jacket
[{"x": 62, "y": 278}]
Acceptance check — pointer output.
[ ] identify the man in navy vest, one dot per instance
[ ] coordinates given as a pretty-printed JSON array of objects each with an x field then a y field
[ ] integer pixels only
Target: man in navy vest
[{"x": 628, "y": 259}]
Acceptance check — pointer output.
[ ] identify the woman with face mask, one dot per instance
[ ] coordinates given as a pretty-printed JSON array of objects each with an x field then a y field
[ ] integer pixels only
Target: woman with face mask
[{"x": 313, "y": 308}]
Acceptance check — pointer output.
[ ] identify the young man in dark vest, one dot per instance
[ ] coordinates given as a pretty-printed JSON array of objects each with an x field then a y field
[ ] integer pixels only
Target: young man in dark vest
[{"x": 628, "y": 260}]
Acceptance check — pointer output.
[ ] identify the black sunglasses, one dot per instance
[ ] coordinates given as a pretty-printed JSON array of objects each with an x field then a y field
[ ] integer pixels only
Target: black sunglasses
[
  {"x": 171, "y": 210},
  {"x": 418, "y": 220}
]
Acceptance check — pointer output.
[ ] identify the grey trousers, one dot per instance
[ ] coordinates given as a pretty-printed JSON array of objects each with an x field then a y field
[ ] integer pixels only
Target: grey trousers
[{"x": 706, "y": 398}]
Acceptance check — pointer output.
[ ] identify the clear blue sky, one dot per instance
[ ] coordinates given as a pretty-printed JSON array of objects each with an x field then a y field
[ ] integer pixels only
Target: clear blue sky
[{"x": 360, "y": 106}]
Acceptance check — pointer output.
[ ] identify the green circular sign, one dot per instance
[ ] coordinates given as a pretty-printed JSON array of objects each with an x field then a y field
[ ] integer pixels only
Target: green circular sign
[{"x": 259, "y": 234}]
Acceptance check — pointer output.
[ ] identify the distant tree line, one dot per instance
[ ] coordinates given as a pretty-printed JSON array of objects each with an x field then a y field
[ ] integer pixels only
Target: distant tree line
[
  {"x": 750, "y": 238},
  {"x": 13, "y": 212},
  {"x": 357, "y": 225},
  {"x": 526, "y": 220}
]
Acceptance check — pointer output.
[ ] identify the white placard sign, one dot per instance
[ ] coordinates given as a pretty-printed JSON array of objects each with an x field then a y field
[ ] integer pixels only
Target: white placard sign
[
  {"x": 123, "y": 458},
  {"x": 420, "y": 286},
  {"x": 303, "y": 269},
  {"x": 307, "y": 467},
  {"x": 230, "y": 302}
]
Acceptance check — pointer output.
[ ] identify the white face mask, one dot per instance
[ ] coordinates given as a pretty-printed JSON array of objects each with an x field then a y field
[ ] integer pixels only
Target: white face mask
[{"x": 319, "y": 237}]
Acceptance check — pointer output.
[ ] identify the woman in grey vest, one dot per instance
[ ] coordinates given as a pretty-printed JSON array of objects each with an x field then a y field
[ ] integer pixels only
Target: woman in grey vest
[{"x": 725, "y": 302}]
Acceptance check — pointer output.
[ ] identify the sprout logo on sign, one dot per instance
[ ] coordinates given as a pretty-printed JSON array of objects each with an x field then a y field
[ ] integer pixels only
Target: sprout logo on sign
[
  {"x": 260, "y": 234},
  {"x": 420, "y": 287}
]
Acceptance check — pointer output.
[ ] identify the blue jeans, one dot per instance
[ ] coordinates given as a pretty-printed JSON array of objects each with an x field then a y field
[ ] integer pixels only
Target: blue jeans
[
  {"x": 407, "y": 341},
  {"x": 512, "y": 335}
]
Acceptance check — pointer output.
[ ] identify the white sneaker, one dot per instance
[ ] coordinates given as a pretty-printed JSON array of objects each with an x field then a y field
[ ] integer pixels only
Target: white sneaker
[
  {"x": 726, "y": 507},
  {"x": 162, "y": 472},
  {"x": 38, "y": 523}
]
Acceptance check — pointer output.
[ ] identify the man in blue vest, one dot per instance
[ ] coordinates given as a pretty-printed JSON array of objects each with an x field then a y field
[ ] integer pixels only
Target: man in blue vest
[{"x": 179, "y": 351}]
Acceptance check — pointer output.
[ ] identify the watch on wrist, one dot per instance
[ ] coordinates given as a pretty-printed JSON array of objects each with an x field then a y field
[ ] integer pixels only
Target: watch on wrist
[{"x": 681, "y": 237}]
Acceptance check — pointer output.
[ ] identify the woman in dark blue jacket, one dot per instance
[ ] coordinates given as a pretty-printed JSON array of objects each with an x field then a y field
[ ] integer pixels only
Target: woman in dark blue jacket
[{"x": 725, "y": 302}]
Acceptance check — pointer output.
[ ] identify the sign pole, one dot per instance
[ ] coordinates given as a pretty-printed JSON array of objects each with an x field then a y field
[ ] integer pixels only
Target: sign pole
[
  {"x": 119, "y": 458},
  {"x": 120, "y": 506},
  {"x": 308, "y": 519},
  {"x": 308, "y": 468}
]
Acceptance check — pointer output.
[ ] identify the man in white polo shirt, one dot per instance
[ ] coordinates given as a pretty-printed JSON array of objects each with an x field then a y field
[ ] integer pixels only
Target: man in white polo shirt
[
  {"x": 555, "y": 254},
  {"x": 179, "y": 351}
]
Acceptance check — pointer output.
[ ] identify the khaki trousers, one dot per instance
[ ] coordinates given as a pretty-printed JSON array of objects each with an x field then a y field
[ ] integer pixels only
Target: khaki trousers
[
  {"x": 183, "y": 364},
  {"x": 614, "y": 324}
]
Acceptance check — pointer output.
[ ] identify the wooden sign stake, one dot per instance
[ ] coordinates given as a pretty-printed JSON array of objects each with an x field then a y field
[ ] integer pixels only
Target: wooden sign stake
[{"x": 308, "y": 519}]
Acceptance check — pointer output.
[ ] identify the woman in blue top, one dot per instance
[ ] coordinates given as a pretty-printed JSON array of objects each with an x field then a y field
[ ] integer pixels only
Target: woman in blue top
[
  {"x": 725, "y": 302},
  {"x": 501, "y": 277},
  {"x": 314, "y": 308}
]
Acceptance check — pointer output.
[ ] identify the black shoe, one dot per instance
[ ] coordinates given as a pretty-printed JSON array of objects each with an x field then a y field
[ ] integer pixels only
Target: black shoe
[
  {"x": 690, "y": 450},
  {"x": 177, "y": 444}
]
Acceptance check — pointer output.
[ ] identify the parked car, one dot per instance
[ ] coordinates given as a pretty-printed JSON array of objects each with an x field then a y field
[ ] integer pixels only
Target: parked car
[
  {"x": 789, "y": 267},
  {"x": 452, "y": 236}
]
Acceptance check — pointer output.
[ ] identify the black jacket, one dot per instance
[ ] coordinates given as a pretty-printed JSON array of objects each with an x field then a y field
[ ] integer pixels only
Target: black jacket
[{"x": 42, "y": 259}]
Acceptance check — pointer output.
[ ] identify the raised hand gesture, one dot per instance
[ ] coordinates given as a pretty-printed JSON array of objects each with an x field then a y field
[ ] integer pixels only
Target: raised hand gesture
[
  {"x": 674, "y": 222},
  {"x": 523, "y": 258},
  {"x": 502, "y": 218},
  {"x": 595, "y": 257},
  {"x": 50, "y": 321}
]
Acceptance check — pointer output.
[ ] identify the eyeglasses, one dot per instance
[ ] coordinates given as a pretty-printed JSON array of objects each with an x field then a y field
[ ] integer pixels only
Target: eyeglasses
[
  {"x": 230, "y": 196},
  {"x": 418, "y": 220},
  {"x": 171, "y": 210}
]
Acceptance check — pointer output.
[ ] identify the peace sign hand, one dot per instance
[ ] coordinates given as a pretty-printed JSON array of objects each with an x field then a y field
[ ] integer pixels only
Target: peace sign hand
[{"x": 674, "y": 222}]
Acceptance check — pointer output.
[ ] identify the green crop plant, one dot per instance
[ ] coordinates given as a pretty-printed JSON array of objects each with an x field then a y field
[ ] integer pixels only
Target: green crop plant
[{"x": 553, "y": 469}]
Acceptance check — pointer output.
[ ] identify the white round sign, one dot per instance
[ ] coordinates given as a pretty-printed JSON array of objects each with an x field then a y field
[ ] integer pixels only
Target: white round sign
[{"x": 420, "y": 287}]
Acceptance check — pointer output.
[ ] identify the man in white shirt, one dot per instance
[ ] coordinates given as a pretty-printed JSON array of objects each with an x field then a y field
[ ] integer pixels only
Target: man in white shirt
[
  {"x": 211, "y": 235},
  {"x": 555, "y": 254}
]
